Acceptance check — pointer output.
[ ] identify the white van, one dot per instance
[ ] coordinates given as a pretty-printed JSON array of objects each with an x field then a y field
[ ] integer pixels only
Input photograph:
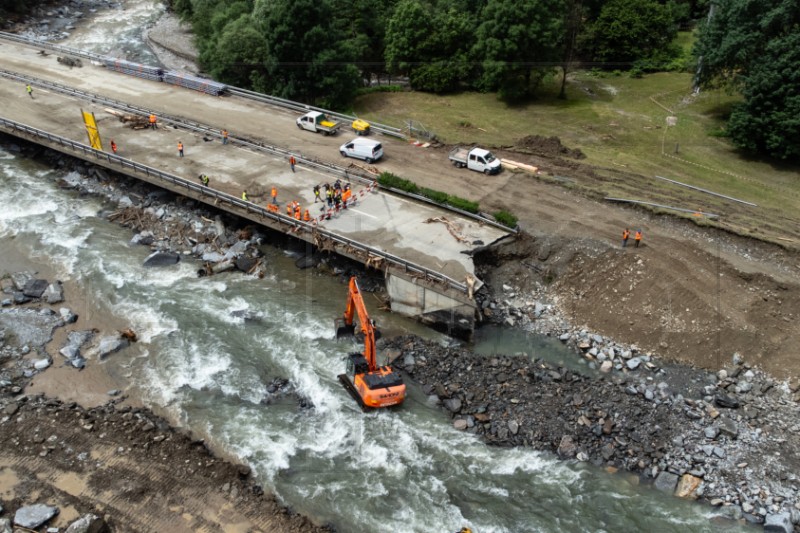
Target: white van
[{"x": 361, "y": 148}]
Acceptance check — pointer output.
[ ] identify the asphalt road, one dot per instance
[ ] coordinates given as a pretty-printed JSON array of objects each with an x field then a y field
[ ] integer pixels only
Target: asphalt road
[{"x": 384, "y": 221}]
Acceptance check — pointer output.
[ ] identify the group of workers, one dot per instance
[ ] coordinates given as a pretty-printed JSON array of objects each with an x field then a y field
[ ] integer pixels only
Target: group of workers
[
  {"x": 336, "y": 196},
  {"x": 637, "y": 238}
]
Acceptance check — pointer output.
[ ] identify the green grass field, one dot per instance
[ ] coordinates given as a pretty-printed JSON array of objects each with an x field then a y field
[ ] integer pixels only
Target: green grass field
[{"x": 620, "y": 123}]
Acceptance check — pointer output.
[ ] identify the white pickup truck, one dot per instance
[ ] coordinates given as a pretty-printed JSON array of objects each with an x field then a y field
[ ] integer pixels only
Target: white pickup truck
[
  {"x": 318, "y": 122},
  {"x": 476, "y": 159}
]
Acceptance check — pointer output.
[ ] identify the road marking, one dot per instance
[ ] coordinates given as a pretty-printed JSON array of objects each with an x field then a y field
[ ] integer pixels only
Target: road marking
[{"x": 361, "y": 212}]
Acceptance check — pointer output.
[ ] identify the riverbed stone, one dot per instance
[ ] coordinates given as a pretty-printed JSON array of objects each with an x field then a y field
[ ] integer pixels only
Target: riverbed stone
[
  {"x": 88, "y": 523},
  {"x": 33, "y": 516},
  {"x": 460, "y": 424},
  {"x": 633, "y": 363},
  {"x": 54, "y": 293},
  {"x": 157, "y": 259},
  {"x": 687, "y": 487},
  {"x": 453, "y": 405},
  {"x": 666, "y": 482},
  {"x": 778, "y": 523},
  {"x": 34, "y": 288},
  {"x": 567, "y": 448}
]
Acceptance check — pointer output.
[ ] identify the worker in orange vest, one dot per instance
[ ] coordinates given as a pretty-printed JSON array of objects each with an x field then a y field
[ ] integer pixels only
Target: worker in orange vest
[
  {"x": 113, "y": 146},
  {"x": 306, "y": 216},
  {"x": 153, "y": 121},
  {"x": 224, "y": 136},
  {"x": 289, "y": 209},
  {"x": 637, "y": 238},
  {"x": 292, "y": 162},
  {"x": 274, "y": 195},
  {"x": 625, "y": 234},
  {"x": 180, "y": 148},
  {"x": 297, "y": 212}
]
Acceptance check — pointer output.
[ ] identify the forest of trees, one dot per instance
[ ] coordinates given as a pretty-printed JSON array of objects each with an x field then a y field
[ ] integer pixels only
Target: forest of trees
[{"x": 323, "y": 51}]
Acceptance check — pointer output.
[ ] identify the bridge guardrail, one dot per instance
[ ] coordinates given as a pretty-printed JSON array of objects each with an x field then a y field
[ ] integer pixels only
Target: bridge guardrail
[{"x": 408, "y": 266}]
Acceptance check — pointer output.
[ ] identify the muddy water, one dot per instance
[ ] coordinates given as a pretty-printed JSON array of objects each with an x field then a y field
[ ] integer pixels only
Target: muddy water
[{"x": 210, "y": 347}]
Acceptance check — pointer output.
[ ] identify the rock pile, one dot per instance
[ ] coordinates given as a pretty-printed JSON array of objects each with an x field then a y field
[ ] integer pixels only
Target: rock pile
[{"x": 719, "y": 441}]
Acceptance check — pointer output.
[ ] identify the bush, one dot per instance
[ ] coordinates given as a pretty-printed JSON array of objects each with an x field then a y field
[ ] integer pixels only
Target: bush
[
  {"x": 437, "y": 196},
  {"x": 505, "y": 218},
  {"x": 464, "y": 205},
  {"x": 387, "y": 179}
]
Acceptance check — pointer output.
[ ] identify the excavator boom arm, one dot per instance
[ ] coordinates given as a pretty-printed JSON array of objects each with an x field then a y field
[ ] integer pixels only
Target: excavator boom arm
[{"x": 355, "y": 305}]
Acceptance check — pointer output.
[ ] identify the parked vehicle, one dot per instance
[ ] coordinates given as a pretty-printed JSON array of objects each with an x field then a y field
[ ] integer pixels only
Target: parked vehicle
[
  {"x": 476, "y": 159},
  {"x": 361, "y": 127},
  {"x": 318, "y": 122},
  {"x": 360, "y": 148}
]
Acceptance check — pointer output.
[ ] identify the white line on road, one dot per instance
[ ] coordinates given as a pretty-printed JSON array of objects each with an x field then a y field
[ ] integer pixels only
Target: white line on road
[{"x": 361, "y": 212}]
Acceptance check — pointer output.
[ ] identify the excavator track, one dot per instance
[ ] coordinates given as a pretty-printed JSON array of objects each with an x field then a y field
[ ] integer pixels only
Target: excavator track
[{"x": 351, "y": 389}]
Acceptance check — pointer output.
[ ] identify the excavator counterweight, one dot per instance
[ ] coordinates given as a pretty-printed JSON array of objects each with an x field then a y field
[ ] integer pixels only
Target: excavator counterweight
[{"x": 369, "y": 384}]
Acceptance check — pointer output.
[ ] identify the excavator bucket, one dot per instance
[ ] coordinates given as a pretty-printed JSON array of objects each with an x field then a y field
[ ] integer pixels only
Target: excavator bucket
[{"x": 343, "y": 330}]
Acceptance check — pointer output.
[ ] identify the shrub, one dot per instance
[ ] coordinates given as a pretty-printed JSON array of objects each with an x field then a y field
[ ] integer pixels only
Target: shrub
[
  {"x": 380, "y": 89},
  {"x": 437, "y": 196},
  {"x": 505, "y": 218},
  {"x": 387, "y": 179},
  {"x": 464, "y": 205}
]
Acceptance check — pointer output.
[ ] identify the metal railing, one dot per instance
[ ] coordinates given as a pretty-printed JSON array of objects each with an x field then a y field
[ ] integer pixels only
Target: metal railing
[
  {"x": 243, "y": 93},
  {"x": 16, "y": 128},
  {"x": 197, "y": 127}
]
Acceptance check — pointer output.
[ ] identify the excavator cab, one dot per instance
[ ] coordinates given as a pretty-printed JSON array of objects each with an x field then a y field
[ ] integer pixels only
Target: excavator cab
[{"x": 370, "y": 385}]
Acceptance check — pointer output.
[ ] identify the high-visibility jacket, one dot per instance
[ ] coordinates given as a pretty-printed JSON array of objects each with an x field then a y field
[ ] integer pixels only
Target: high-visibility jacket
[
  {"x": 306, "y": 216},
  {"x": 274, "y": 192},
  {"x": 289, "y": 209},
  {"x": 638, "y": 236},
  {"x": 244, "y": 196},
  {"x": 152, "y": 119}
]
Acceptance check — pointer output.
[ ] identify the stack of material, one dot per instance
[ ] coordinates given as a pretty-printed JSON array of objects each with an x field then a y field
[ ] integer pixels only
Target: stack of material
[
  {"x": 134, "y": 69},
  {"x": 195, "y": 83},
  {"x": 516, "y": 165}
]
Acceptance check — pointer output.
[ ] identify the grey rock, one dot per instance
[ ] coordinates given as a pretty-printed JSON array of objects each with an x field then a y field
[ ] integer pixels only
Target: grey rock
[
  {"x": 409, "y": 361},
  {"x": 727, "y": 427},
  {"x": 34, "y": 288},
  {"x": 114, "y": 392},
  {"x": 5, "y": 525},
  {"x": 157, "y": 259},
  {"x": 633, "y": 363},
  {"x": 20, "y": 279},
  {"x": 567, "y": 448},
  {"x": 6, "y": 302},
  {"x": 54, "y": 293},
  {"x": 738, "y": 359},
  {"x": 109, "y": 345},
  {"x": 778, "y": 522},
  {"x": 88, "y": 523},
  {"x": 212, "y": 257},
  {"x": 460, "y": 424},
  {"x": 33, "y": 516},
  {"x": 453, "y": 405},
  {"x": 719, "y": 452},
  {"x": 513, "y": 427},
  {"x": 711, "y": 432},
  {"x": 245, "y": 264},
  {"x": 724, "y": 400},
  {"x": 41, "y": 364},
  {"x": 67, "y": 315},
  {"x": 666, "y": 482}
]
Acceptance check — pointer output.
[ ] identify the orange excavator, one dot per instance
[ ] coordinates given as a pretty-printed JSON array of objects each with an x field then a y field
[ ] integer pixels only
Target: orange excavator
[{"x": 369, "y": 384}]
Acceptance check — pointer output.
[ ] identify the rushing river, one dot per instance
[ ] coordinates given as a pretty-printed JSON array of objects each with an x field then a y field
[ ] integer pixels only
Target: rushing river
[{"x": 203, "y": 364}]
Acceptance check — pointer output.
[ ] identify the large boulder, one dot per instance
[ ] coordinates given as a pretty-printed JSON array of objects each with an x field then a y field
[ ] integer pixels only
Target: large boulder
[
  {"x": 666, "y": 481},
  {"x": 54, "y": 293},
  {"x": 33, "y": 516},
  {"x": 34, "y": 288},
  {"x": 157, "y": 259}
]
